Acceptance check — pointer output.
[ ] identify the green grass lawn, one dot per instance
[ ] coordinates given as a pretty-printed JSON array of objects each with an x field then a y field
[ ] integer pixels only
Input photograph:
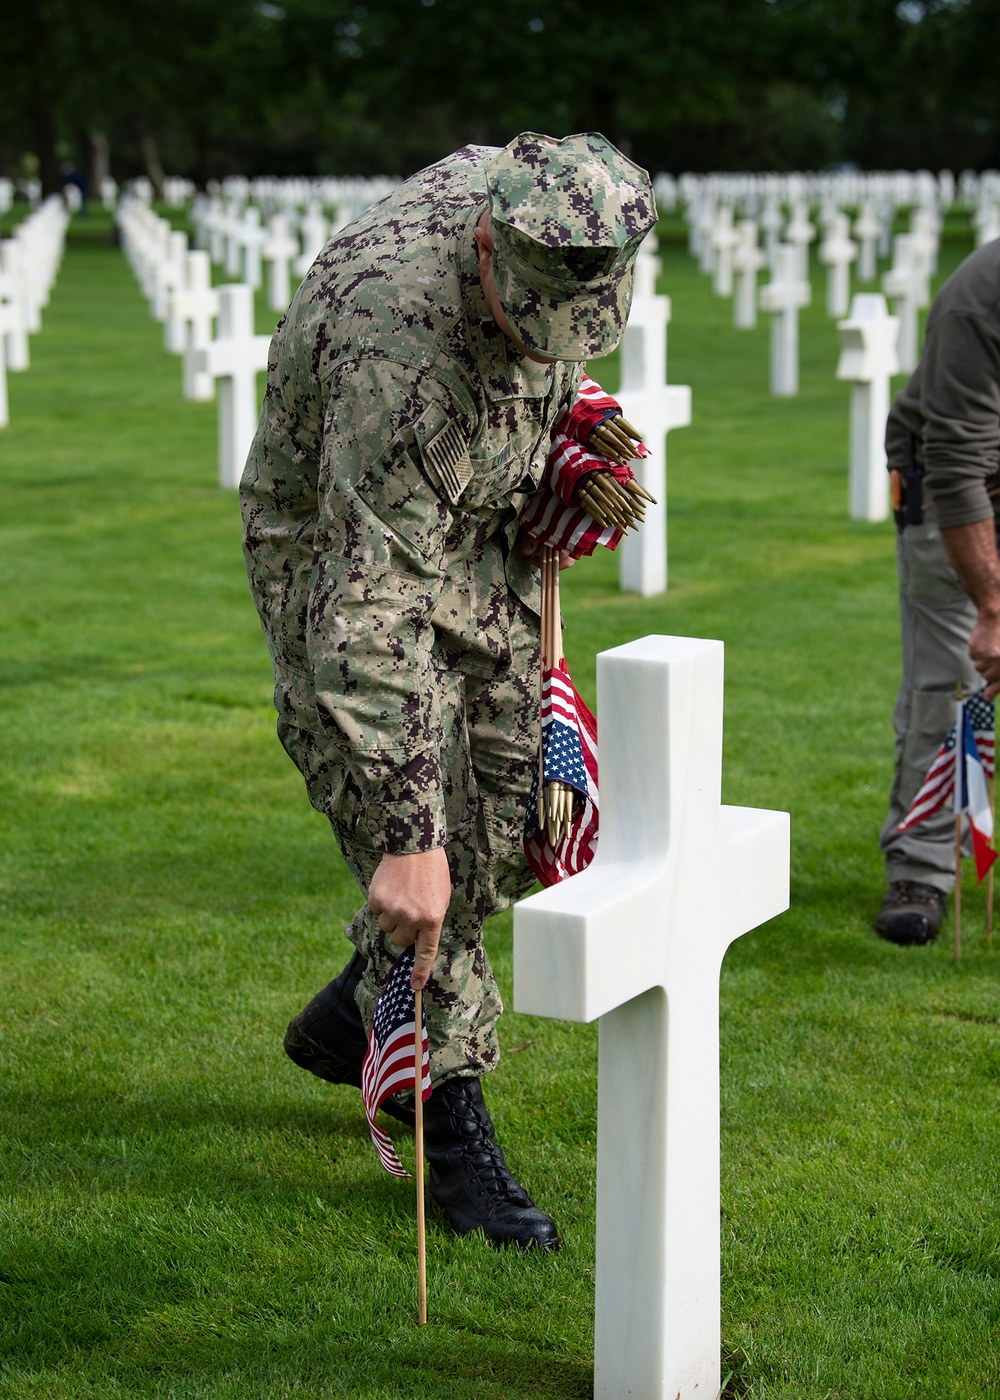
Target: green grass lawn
[{"x": 184, "y": 1213}]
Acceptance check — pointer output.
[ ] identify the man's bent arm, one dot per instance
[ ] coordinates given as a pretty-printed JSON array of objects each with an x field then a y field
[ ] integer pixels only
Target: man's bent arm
[
  {"x": 973, "y": 553},
  {"x": 375, "y": 582}
]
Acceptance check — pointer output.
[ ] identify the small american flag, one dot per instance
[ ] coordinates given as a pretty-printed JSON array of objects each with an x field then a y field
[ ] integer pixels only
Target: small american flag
[
  {"x": 389, "y": 1060},
  {"x": 981, "y": 715},
  {"x": 938, "y": 788},
  {"x": 551, "y": 516},
  {"x": 972, "y": 794},
  {"x": 569, "y": 755}
]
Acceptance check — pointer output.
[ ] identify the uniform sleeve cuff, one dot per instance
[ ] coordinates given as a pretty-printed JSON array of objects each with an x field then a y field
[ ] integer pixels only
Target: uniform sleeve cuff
[{"x": 406, "y": 814}]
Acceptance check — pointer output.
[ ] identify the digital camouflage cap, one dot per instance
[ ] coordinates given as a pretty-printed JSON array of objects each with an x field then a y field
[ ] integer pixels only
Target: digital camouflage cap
[{"x": 568, "y": 217}]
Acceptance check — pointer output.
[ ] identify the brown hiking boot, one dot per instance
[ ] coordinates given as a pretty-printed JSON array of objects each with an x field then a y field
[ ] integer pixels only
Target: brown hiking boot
[{"x": 911, "y": 912}]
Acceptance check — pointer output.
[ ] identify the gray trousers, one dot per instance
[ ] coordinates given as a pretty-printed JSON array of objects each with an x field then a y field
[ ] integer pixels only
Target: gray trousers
[{"x": 936, "y": 618}]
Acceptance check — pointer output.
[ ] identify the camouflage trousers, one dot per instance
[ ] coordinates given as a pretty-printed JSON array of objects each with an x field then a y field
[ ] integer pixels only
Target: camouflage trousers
[{"x": 488, "y": 751}]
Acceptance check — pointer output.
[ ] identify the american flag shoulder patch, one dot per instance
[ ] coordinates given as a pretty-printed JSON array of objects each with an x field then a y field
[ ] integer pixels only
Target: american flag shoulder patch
[{"x": 447, "y": 461}]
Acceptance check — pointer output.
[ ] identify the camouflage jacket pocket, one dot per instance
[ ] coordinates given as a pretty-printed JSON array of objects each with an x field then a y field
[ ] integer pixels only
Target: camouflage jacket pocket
[{"x": 416, "y": 519}]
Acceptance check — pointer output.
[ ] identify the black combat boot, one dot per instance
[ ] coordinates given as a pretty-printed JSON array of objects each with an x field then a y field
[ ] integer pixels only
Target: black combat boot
[
  {"x": 328, "y": 1037},
  {"x": 911, "y": 913},
  {"x": 469, "y": 1178}
]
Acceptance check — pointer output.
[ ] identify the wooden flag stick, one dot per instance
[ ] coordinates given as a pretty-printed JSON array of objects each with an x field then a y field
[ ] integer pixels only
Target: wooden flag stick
[
  {"x": 545, "y": 660},
  {"x": 989, "y": 878},
  {"x": 958, "y": 887},
  {"x": 553, "y": 604},
  {"x": 959, "y": 786},
  {"x": 418, "y": 1040}
]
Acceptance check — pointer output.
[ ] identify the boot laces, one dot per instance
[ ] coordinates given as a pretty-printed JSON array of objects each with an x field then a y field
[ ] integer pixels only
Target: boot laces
[{"x": 483, "y": 1156}]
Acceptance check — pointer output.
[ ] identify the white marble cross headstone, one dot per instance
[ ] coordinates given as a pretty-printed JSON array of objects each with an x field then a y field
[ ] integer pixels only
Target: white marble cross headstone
[
  {"x": 925, "y": 225},
  {"x": 4, "y": 403},
  {"x": 655, "y": 407},
  {"x": 193, "y": 308},
  {"x": 986, "y": 222},
  {"x": 235, "y": 358},
  {"x": 868, "y": 359},
  {"x": 866, "y": 231},
  {"x": 637, "y": 940},
  {"x": 252, "y": 240},
  {"x": 168, "y": 275},
  {"x": 315, "y": 230},
  {"x": 278, "y": 251},
  {"x": 706, "y": 222},
  {"x": 783, "y": 297},
  {"x": 215, "y": 222},
  {"x": 838, "y": 250},
  {"x": 906, "y": 284},
  {"x": 748, "y": 260},
  {"x": 771, "y": 221},
  {"x": 232, "y": 227},
  {"x": 724, "y": 239},
  {"x": 12, "y": 295},
  {"x": 799, "y": 232}
]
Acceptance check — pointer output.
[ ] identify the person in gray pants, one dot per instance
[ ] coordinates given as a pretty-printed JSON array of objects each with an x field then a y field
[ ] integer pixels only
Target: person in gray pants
[{"x": 943, "y": 448}]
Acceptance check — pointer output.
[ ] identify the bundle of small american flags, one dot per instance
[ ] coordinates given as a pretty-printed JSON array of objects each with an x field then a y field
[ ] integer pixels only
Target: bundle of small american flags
[
  {"x": 569, "y": 755},
  {"x": 551, "y": 517},
  {"x": 390, "y": 1060},
  {"x": 958, "y": 776}
]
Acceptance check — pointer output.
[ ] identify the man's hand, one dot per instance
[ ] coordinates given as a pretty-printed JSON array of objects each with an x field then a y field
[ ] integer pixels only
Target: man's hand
[
  {"x": 532, "y": 549},
  {"x": 409, "y": 894},
  {"x": 984, "y": 649},
  {"x": 973, "y": 553}
]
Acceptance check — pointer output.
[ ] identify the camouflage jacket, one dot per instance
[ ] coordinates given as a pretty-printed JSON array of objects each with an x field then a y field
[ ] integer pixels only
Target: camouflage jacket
[{"x": 399, "y": 433}]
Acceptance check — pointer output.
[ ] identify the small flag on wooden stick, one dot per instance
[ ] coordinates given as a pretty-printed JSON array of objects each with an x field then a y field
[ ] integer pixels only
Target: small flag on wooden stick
[
  {"x": 390, "y": 1060},
  {"x": 972, "y": 793},
  {"x": 962, "y": 776},
  {"x": 938, "y": 788},
  {"x": 560, "y": 836}
]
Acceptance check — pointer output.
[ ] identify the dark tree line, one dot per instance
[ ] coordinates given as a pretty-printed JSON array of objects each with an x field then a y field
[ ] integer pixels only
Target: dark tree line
[{"x": 210, "y": 87}]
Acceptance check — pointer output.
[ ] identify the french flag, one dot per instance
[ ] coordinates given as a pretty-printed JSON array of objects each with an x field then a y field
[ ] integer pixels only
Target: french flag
[{"x": 972, "y": 795}]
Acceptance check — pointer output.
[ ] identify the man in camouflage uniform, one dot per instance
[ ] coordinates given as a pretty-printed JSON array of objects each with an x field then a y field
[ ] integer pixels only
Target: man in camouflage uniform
[{"x": 412, "y": 388}]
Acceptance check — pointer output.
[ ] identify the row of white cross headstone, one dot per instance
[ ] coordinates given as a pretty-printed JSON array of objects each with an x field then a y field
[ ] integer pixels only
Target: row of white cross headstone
[
  {"x": 753, "y": 193},
  {"x": 179, "y": 286},
  {"x": 234, "y": 233},
  {"x": 29, "y": 261},
  {"x": 730, "y": 252},
  {"x": 655, "y": 407},
  {"x": 875, "y": 344},
  {"x": 737, "y": 260},
  {"x": 177, "y": 282},
  {"x": 188, "y": 302}
]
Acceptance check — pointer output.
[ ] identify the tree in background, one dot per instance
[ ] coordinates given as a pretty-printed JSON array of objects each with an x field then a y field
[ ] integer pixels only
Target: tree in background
[{"x": 209, "y": 87}]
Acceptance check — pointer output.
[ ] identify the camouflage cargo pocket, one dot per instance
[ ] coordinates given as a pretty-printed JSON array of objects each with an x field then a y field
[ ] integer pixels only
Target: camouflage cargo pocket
[{"x": 398, "y": 492}]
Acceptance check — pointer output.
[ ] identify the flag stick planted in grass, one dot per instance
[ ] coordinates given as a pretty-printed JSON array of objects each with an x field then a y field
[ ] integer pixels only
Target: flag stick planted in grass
[
  {"x": 962, "y": 774},
  {"x": 958, "y": 887},
  {"x": 959, "y": 792},
  {"x": 418, "y": 1054},
  {"x": 397, "y": 1059},
  {"x": 560, "y": 835},
  {"x": 989, "y": 878}
]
